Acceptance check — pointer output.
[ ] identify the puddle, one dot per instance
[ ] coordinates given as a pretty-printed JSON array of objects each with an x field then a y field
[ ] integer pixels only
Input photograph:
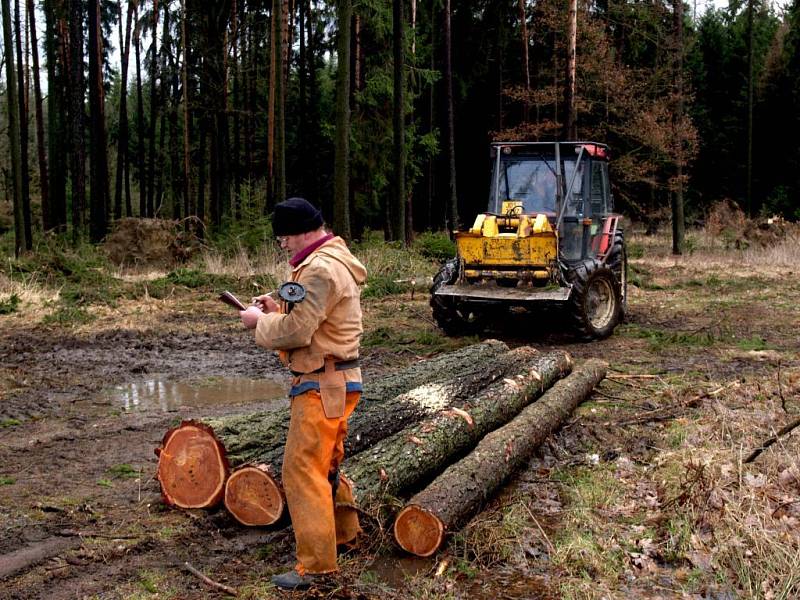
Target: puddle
[{"x": 165, "y": 395}]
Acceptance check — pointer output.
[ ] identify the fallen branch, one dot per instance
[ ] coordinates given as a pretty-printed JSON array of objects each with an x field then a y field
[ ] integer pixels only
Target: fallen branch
[
  {"x": 210, "y": 582},
  {"x": 786, "y": 429}
]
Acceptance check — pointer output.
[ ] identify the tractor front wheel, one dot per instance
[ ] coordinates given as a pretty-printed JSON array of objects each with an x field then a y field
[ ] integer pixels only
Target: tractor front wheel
[
  {"x": 595, "y": 303},
  {"x": 450, "y": 317}
]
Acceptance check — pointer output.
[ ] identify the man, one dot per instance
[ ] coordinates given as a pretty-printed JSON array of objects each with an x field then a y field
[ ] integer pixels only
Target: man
[{"x": 318, "y": 339}]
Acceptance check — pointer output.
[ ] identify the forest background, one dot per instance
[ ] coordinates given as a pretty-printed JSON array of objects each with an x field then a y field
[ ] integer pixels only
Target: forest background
[{"x": 381, "y": 112}]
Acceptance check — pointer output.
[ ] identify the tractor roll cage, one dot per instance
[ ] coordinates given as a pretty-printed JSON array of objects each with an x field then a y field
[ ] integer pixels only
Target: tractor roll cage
[{"x": 582, "y": 148}]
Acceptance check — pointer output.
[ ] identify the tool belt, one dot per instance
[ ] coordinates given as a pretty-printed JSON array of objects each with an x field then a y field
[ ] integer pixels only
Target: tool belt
[{"x": 341, "y": 365}]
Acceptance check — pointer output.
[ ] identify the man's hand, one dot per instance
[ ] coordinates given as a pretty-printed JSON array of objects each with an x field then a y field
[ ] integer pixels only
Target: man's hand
[
  {"x": 250, "y": 316},
  {"x": 266, "y": 303}
]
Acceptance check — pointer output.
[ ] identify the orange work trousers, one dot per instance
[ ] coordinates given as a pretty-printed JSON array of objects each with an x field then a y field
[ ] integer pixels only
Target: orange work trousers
[{"x": 314, "y": 450}]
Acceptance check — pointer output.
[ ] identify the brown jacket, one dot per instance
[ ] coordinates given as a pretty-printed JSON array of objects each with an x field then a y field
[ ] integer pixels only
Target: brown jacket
[{"x": 327, "y": 323}]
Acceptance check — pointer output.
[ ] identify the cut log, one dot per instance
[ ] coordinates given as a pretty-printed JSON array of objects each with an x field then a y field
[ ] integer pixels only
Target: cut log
[
  {"x": 194, "y": 457},
  {"x": 253, "y": 496},
  {"x": 259, "y": 438},
  {"x": 192, "y": 467},
  {"x": 415, "y": 455},
  {"x": 460, "y": 491}
]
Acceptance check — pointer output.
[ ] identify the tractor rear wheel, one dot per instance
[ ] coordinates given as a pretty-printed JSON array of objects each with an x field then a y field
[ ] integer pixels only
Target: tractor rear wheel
[
  {"x": 449, "y": 316},
  {"x": 595, "y": 303}
]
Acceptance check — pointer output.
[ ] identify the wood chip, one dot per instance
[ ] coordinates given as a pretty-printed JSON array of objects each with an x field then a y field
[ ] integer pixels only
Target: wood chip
[
  {"x": 457, "y": 412},
  {"x": 442, "y": 567},
  {"x": 509, "y": 450},
  {"x": 415, "y": 440},
  {"x": 383, "y": 475}
]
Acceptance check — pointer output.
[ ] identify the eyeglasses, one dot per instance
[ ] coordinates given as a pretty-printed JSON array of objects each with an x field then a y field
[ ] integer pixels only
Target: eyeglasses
[{"x": 281, "y": 238}]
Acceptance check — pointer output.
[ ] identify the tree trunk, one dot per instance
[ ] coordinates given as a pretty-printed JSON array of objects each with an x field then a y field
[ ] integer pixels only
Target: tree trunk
[
  {"x": 122, "y": 141},
  {"x": 57, "y": 138},
  {"x": 678, "y": 225},
  {"x": 98, "y": 220},
  {"x": 137, "y": 39},
  {"x": 165, "y": 100},
  {"x": 398, "y": 206},
  {"x": 375, "y": 418},
  {"x": 76, "y": 93},
  {"x": 13, "y": 129},
  {"x": 460, "y": 491},
  {"x": 420, "y": 452},
  {"x": 260, "y": 437},
  {"x": 523, "y": 30},
  {"x": 273, "y": 64},
  {"x": 450, "y": 121},
  {"x": 151, "y": 170},
  {"x": 25, "y": 193},
  {"x": 341, "y": 166},
  {"x": 236, "y": 103},
  {"x": 279, "y": 167},
  {"x": 187, "y": 197},
  {"x": 570, "y": 129},
  {"x": 40, "y": 147},
  {"x": 750, "y": 86}
]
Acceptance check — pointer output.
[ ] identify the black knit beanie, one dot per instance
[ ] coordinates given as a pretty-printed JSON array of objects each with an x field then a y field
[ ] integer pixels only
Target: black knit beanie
[{"x": 295, "y": 216}]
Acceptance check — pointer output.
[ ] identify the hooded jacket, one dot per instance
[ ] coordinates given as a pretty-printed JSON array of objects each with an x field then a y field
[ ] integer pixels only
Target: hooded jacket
[{"x": 326, "y": 325}]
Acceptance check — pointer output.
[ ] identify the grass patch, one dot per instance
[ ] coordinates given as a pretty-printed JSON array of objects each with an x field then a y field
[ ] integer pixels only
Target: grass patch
[
  {"x": 419, "y": 341},
  {"x": 105, "y": 483},
  {"x": 122, "y": 471},
  {"x": 9, "y": 423},
  {"x": 187, "y": 279},
  {"x": 642, "y": 278},
  {"x": 68, "y": 315},
  {"x": 9, "y": 305},
  {"x": 755, "y": 342},
  {"x": 7, "y": 480},
  {"x": 660, "y": 339}
]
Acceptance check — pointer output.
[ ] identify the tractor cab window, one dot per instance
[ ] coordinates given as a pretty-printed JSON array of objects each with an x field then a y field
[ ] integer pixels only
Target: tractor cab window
[
  {"x": 527, "y": 179},
  {"x": 573, "y": 206},
  {"x": 598, "y": 197}
]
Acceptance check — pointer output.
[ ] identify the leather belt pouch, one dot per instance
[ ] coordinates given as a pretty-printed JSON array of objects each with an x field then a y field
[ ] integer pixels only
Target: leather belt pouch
[{"x": 333, "y": 390}]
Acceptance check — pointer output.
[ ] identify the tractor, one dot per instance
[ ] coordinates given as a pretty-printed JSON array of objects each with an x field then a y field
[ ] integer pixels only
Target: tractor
[{"x": 549, "y": 238}]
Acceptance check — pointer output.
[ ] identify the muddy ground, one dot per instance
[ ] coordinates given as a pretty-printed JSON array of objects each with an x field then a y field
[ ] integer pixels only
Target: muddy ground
[{"x": 642, "y": 494}]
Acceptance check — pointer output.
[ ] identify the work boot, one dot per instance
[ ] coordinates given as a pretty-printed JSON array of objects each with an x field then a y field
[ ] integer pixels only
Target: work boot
[{"x": 292, "y": 580}]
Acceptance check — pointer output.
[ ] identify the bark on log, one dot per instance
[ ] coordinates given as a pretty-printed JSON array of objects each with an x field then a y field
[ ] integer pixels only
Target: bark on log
[
  {"x": 253, "y": 496},
  {"x": 460, "y": 491},
  {"x": 411, "y": 457},
  {"x": 194, "y": 457}
]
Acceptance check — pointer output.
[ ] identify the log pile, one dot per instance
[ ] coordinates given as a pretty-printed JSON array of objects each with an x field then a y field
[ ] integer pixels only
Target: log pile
[{"x": 460, "y": 424}]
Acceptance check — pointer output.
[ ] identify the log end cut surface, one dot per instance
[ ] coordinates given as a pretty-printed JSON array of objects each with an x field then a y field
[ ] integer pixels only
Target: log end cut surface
[
  {"x": 418, "y": 531},
  {"x": 253, "y": 497},
  {"x": 192, "y": 466}
]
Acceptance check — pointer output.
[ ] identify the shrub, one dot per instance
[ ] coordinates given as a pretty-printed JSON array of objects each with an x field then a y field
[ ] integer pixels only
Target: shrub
[
  {"x": 10, "y": 305},
  {"x": 436, "y": 246}
]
